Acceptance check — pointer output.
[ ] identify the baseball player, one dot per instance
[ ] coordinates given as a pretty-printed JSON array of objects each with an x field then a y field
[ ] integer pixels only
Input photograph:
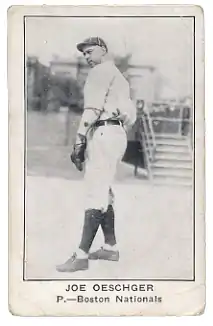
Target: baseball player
[{"x": 100, "y": 144}]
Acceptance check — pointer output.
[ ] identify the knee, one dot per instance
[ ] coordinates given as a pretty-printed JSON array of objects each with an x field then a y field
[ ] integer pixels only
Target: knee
[{"x": 95, "y": 214}]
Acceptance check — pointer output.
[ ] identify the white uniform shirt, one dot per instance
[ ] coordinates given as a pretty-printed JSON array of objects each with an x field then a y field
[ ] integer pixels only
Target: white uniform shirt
[{"x": 107, "y": 90}]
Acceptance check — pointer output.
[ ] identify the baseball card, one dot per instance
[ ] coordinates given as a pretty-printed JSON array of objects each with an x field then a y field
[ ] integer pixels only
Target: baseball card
[{"x": 106, "y": 160}]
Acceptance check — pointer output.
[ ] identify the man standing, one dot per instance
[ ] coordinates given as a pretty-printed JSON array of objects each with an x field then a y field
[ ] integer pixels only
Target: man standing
[{"x": 101, "y": 142}]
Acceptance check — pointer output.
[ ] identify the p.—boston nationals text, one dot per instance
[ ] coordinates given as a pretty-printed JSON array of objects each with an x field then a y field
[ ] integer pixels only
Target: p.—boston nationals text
[{"x": 109, "y": 293}]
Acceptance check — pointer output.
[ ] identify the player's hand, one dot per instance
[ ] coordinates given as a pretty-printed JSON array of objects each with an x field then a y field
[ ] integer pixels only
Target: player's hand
[
  {"x": 78, "y": 154},
  {"x": 122, "y": 117}
]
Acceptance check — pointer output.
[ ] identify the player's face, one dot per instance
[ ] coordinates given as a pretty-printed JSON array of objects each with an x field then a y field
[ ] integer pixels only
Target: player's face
[{"x": 93, "y": 55}]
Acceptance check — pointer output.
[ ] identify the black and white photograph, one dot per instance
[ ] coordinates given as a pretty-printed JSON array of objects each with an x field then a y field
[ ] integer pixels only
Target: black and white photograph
[
  {"x": 112, "y": 151},
  {"x": 109, "y": 153}
]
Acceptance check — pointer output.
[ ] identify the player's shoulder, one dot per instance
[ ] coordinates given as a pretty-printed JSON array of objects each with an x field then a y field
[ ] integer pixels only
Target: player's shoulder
[{"x": 104, "y": 70}]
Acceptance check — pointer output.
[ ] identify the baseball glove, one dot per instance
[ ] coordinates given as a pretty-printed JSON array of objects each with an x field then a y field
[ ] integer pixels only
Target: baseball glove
[{"x": 78, "y": 155}]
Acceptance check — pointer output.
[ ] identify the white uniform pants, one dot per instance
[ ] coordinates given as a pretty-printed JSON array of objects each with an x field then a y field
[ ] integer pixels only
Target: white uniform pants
[{"x": 105, "y": 148}]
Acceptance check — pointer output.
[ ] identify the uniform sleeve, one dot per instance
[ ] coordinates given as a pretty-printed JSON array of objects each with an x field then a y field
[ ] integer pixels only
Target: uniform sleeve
[{"x": 96, "y": 88}]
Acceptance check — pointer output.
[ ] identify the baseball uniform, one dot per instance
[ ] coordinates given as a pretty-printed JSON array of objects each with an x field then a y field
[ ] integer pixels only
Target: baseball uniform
[
  {"x": 108, "y": 91},
  {"x": 108, "y": 112}
]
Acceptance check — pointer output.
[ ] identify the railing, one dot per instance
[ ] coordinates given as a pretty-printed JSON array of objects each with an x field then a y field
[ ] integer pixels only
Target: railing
[
  {"x": 181, "y": 128},
  {"x": 146, "y": 136},
  {"x": 150, "y": 126},
  {"x": 173, "y": 118}
]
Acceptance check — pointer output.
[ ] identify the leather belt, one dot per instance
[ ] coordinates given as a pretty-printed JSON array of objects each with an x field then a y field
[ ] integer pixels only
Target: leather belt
[{"x": 100, "y": 123}]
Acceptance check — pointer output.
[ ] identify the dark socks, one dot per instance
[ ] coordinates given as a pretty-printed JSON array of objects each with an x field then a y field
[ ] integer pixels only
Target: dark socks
[
  {"x": 92, "y": 220},
  {"x": 108, "y": 226}
]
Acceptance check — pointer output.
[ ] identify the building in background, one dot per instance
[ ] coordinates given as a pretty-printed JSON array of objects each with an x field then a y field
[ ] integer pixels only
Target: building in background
[
  {"x": 64, "y": 67},
  {"x": 62, "y": 83},
  {"x": 142, "y": 80}
]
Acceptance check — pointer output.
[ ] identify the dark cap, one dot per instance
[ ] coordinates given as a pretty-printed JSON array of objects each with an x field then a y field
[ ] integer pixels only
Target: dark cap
[{"x": 92, "y": 41}]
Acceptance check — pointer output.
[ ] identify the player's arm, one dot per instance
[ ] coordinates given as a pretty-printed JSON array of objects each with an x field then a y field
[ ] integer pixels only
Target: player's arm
[{"x": 94, "y": 94}]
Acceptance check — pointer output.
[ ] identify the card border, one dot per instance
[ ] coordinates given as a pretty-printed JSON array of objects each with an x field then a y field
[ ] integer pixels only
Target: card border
[{"x": 25, "y": 153}]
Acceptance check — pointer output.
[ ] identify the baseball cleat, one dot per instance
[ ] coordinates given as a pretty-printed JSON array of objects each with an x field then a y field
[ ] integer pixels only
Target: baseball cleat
[
  {"x": 73, "y": 264},
  {"x": 104, "y": 254}
]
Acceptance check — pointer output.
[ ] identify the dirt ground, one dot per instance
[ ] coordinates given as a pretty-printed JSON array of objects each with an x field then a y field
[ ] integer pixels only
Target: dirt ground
[
  {"x": 154, "y": 227},
  {"x": 154, "y": 224}
]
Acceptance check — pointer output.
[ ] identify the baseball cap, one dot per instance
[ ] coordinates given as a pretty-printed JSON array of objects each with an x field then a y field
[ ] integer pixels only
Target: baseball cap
[{"x": 92, "y": 41}]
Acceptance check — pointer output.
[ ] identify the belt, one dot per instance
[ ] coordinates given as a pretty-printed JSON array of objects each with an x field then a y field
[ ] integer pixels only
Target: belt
[{"x": 100, "y": 123}]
